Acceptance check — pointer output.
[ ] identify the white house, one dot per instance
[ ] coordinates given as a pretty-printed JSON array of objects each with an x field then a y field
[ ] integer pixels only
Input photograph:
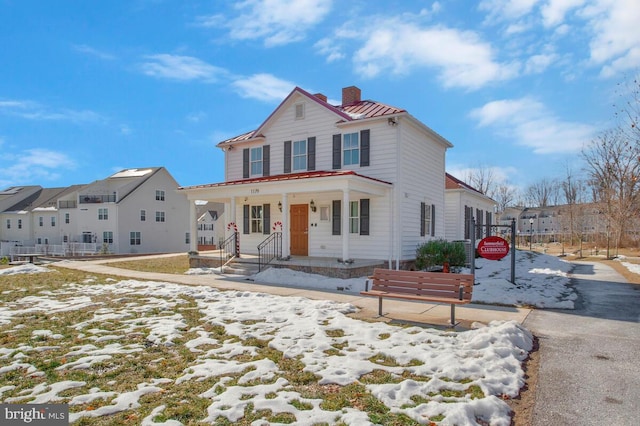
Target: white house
[
  {"x": 132, "y": 211},
  {"x": 210, "y": 227},
  {"x": 360, "y": 180},
  {"x": 463, "y": 203}
]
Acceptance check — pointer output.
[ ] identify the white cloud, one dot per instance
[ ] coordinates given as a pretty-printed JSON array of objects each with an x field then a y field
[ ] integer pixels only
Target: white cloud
[
  {"x": 264, "y": 87},
  {"x": 278, "y": 22},
  {"x": 529, "y": 123},
  {"x": 498, "y": 10},
  {"x": 88, "y": 50},
  {"x": 554, "y": 11},
  {"x": 32, "y": 110},
  {"x": 34, "y": 165},
  {"x": 616, "y": 34},
  {"x": 461, "y": 58},
  {"x": 176, "y": 67},
  {"x": 538, "y": 63}
]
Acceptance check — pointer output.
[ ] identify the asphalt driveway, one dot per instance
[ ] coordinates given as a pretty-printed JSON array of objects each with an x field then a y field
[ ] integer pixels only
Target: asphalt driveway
[{"x": 590, "y": 357}]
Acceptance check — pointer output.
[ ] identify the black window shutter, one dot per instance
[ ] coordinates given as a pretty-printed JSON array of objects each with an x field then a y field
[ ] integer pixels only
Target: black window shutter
[
  {"x": 266, "y": 160},
  {"x": 364, "y": 216},
  {"x": 266, "y": 218},
  {"x": 311, "y": 153},
  {"x": 337, "y": 151},
  {"x": 433, "y": 220},
  {"x": 245, "y": 163},
  {"x": 364, "y": 147},
  {"x": 245, "y": 219},
  {"x": 287, "y": 156},
  {"x": 336, "y": 225},
  {"x": 422, "y": 218}
]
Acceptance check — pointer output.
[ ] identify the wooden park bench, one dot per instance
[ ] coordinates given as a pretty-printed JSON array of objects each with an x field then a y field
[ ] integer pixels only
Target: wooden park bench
[{"x": 438, "y": 287}]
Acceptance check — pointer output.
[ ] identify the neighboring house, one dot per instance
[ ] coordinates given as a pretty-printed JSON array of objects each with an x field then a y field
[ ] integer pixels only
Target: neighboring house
[
  {"x": 361, "y": 180},
  {"x": 463, "y": 203},
  {"x": 210, "y": 229},
  {"x": 132, "y": 211}
]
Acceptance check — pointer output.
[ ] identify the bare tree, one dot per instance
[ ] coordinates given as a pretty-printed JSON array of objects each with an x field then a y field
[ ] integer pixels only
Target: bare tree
[
  {"x": 572, "y": 189},
  {"x": 505, "y": 195},
  {"x": 542, "y": 193},
  {"x": 613, "y": 165},
  {"x": 481, "y": 178}
]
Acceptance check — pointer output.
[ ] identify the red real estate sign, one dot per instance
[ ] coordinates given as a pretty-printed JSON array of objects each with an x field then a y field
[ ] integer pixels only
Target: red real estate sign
[{"x": 493, "y": 248}]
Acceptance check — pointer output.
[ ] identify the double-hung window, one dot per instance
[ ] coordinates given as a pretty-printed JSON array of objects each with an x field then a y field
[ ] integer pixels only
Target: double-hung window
[
  {"x": 159, "y": 216},
  {"x": 134, "y": 238},
  {"x": 299, "y": 155},
  {"x": 256, "y": 219},
  {"x": 107, "y": 237},
  {"x": 354, "y": 217},
  {"x": 103, "y": 214},
  {"x": 256, "y": 161},
  {"x": 350, "y": 149},
  {"x": 159, "y": 195}
]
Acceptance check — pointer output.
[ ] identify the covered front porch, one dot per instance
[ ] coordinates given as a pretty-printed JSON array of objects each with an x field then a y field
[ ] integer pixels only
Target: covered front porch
[{"x": 317, "y": 220}]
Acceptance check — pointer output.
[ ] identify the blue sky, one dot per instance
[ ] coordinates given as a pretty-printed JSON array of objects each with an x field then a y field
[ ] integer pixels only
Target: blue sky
[{"x": 91, "y": 87}]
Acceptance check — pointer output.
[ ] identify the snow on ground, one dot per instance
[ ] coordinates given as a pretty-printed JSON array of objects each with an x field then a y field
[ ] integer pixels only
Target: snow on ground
[
  {"x": 541, "y": 281},
  {"x": 25, "y": 268},
  {"x": 488, "y": 357}
]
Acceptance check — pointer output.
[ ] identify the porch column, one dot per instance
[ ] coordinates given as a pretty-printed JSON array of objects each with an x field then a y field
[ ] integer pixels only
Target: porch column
[
  {"x": 193, "y": 227},
  {"x": 231, "y": 217},
  {"x": 286, "y": 235},
  {"x": 345, "y": 225}
]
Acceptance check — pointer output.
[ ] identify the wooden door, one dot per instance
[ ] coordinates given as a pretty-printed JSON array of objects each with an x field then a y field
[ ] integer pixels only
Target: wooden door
[{"x": 299, "y": 219}]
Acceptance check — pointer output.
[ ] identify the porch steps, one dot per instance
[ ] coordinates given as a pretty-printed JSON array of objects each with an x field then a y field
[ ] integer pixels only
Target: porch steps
[{"x": 242, "y": 267}]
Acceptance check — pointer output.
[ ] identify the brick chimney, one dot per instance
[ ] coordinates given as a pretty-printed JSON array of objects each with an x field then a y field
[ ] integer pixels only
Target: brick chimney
[
  {"x": 350, "y": 95},
  {"x": 321, "y": 97}
]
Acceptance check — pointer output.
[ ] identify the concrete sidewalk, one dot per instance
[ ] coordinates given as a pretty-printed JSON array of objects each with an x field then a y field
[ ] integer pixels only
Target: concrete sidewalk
[{"x": 430, "y": 314}]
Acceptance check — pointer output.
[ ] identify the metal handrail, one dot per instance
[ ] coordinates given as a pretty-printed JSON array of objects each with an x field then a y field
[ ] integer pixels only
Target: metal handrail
[
  {"x": 228, "y": 249},
  {"x": 269, "y": 249}
]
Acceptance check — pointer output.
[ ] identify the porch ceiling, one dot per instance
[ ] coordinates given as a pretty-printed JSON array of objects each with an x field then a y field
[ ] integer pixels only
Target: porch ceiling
[{"x": 307, "y": 182}]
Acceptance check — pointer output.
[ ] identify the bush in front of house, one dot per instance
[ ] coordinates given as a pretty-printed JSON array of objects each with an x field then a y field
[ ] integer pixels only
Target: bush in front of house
[{"x": 441, "y": 254}]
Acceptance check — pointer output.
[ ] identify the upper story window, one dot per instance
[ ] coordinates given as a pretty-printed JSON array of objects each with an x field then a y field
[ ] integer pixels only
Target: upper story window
[
  {"x": 350, "y": 149},
  {"x": 299, "y": 111},
  {"x": 159, "y": 216},
  {"x": 256, "y": 161},
  {"x": 53, "y": 221},
  {"x": 299, "y": 155},
  {"x": 103, "y": 214},
  {"x": 41, "y": 221},
  {"x": 8, "y": 223},
  {"x": 143, "y": 215},
  {"x": 67, "y": 218},
  {"x": 159, "y": 195}
]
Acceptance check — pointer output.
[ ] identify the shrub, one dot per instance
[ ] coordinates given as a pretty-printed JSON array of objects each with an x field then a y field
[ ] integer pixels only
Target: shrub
[{"x": 441, "y": 253}]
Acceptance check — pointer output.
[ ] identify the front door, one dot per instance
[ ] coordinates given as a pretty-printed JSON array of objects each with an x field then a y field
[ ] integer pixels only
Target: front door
[{"x": 299, "y": 229}]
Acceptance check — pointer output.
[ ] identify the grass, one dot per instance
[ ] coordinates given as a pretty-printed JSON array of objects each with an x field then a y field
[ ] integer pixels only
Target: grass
[
  {"x": 167, "y": 265},
  {"x": 140, "y": 360}
]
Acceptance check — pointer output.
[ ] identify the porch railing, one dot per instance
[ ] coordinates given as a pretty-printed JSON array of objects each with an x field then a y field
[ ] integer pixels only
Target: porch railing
[
  {"x": 228, "y": 249},
  {"x": 269, "y": 249}
]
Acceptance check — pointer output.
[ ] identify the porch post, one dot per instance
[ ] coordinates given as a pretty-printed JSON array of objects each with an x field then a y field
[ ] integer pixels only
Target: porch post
[
  {"x": 193, "y": 227},
  {"x": 345, "y": 225},
  {"x": 286, "y": 242}
]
